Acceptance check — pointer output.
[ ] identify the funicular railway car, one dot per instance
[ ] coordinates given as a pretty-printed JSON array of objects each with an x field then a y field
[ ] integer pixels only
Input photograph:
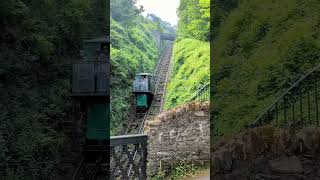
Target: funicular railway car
[
  {"x": 143, "y": 88},
  {"x": 91, "y": 88}
]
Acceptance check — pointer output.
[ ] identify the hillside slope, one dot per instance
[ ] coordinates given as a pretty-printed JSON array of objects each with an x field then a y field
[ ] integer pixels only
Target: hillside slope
[
  {"x": 191, "y": 53},
  {"x": 190, "y": 71},
  {"x": 261, "y": 48}
]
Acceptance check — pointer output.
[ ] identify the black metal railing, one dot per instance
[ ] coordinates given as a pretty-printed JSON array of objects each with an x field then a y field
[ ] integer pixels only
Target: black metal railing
[
  {"x": 297, "y": 107},
  {"x": 203, "y": 94},
  {"x": 128, "y": 157}
]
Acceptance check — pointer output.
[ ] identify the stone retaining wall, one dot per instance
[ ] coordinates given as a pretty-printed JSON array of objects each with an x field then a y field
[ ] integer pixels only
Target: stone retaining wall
[
  {"x": 268, "y": 153},
  {"x": 181, "y": 135}
]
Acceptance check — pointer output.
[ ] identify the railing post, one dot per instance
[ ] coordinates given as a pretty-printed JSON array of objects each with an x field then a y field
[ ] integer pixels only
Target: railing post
[
  {"x": 301, "y": 104},
  {"x": 316, "y": 91},
  {"x": 144, "y": 161},
  {"x": 308, "y": 94},
  {"x": 285, "y": 109}
]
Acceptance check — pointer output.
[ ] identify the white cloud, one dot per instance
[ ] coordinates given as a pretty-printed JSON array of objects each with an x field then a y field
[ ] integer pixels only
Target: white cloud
[{"x": 165, "y": 9}]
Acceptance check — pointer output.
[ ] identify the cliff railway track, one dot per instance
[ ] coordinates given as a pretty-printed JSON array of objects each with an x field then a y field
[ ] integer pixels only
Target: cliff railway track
[
  {"x": 161, "y": 74},
  {"x": 129, "y": 161}
]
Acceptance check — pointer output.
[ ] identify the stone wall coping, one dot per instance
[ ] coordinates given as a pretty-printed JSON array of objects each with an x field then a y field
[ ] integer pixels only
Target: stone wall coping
[{"x": 177, "y": 112}]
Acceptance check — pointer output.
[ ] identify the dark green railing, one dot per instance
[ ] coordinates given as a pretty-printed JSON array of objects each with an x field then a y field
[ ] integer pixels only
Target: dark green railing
[
  {"x": 128, "y": 155},
  {"x": 203, "y": 94},
  {"x": 298, "y": 106}
]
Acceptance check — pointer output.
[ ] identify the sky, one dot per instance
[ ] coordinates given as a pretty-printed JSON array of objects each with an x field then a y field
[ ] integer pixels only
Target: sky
[{"x": 165, "y": 9}]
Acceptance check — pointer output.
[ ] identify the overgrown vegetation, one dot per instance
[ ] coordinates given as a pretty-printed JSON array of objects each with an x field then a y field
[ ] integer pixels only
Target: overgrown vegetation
[
  {"x": 194, "y": 19},
  {"x": 260, "y": 49},
  {"x": 191, "y": 53},
  {"x": 134, "y": 49},
  {"x": 181, "y": 171},
  {"x": 190, "y": 71},
  {"x": 38, "y": 38},
  {"x": 184, "y": 170}
]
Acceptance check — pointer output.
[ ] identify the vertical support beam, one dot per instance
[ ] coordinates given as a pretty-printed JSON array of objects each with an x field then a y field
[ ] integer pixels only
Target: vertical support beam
[{"x": 144, "y": 161}]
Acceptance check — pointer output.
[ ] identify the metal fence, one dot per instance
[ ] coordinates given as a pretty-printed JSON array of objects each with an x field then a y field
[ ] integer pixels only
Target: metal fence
[
  {"x": 298, "y": 106},
  {"x": 203, "y": 94},
  {"x": 128, "y": 157}
]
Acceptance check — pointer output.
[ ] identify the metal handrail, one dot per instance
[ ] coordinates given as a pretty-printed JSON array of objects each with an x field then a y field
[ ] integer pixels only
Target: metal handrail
[
  {"x": 289, "y": 98},
  {"x": 202, "y": 94},
  {"x": 128, "y": 139}
]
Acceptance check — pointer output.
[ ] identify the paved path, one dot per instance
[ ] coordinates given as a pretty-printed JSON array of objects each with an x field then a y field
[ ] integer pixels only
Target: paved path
[{"x": 202, "y": 175}]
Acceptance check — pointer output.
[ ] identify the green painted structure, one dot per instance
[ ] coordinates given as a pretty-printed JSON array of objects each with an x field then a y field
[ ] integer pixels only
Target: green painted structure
[
  {"x": 91, "y": 88},
  {"x": 142, "y": 101},
  {"x": 98, "y": 122},
  {"x": 93, "y": 46},
  {"x": 143, "y": 87}
]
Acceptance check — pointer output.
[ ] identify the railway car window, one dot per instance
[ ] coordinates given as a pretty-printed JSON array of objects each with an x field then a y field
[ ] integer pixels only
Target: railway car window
[{"x": 141, "y": 83}]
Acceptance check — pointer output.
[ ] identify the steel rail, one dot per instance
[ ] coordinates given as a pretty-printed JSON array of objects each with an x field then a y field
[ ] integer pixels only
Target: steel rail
[
  {"x": 160, "y": 65},
  {"x": 166, "y": 80},
  {"x": 160, "y": 61},
  {"x": 142, "y": 126}
]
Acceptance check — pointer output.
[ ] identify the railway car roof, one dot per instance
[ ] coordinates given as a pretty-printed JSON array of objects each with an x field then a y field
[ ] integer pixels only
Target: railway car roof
[{"x": 141, "y": 74}]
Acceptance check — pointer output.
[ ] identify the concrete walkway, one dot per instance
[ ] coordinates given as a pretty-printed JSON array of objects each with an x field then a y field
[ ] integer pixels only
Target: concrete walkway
[{"x": 202, "y": 175}]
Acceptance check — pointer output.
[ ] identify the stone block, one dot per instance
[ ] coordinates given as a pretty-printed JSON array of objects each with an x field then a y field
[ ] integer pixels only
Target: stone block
[
  {"x": 286, "y": 165},
  {"x": 181, "y": 135},
  {"x": 199, "y": 114}
]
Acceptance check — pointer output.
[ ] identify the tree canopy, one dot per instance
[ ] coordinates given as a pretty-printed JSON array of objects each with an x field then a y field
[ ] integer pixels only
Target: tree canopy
[
  {"x": 194, "y": 19},
  {"x": 38, "y": 39}
]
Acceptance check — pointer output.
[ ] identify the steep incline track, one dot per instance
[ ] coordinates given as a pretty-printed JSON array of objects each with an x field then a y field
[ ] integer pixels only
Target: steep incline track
[{"x": 137, "y": 122}]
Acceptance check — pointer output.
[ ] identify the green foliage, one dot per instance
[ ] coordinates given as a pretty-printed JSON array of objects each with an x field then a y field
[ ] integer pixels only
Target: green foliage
[
  {"x": 190, "y": 71},
  {"x": 125, "y": 12},
  {"x": 194, "y": 16},
  {"x": 38, "y": 38},
  {"x": 191, "y": 57},
  {"x": 261, "y": 49},
  {"x": 220, "y": 9},
  {"x": 133, "y": 50},
  {"x": 181, "y": 171},
  {"x": 162, "y": 26}
]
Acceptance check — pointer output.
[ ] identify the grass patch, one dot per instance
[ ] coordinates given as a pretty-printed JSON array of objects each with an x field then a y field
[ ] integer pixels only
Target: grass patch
[
  {"x": 181, "y": 171},
  {"x": 190, "y": 71}
]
